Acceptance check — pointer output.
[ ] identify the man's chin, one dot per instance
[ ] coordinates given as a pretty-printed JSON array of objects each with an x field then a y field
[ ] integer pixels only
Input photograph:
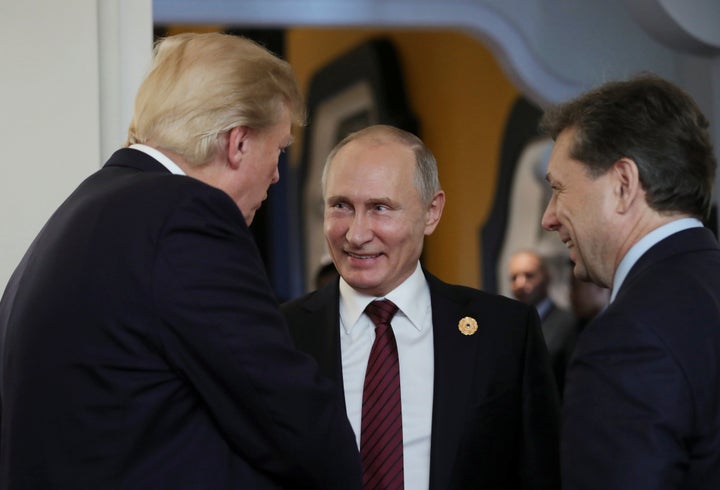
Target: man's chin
[{"x": 361, "y": 284}]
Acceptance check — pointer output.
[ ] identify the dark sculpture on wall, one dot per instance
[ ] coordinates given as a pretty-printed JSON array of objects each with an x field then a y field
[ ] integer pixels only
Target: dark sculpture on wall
[
  {"x": 362, "y": 87},
  {"x": 521, "y": 195}
]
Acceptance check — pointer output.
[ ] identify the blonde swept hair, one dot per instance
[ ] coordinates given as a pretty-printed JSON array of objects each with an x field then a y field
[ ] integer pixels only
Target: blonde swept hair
[{"x": 202, "y": 85}]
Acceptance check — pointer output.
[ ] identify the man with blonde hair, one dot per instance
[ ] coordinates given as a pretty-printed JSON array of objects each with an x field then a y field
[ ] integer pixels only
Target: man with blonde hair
[{"x": 142, "y": 345}]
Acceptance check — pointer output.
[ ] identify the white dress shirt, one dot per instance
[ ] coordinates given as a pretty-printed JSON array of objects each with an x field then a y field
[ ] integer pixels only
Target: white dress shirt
[
  {"x": 412, "y": 326},
  {"x": 644, "y": 244},
  {"x": 160, "y": 157}
]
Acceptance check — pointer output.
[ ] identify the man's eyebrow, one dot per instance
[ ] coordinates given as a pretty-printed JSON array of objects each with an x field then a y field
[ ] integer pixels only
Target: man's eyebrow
[
  {"x": 335, "y": 198},
  {"x": 380, "y": 200}
]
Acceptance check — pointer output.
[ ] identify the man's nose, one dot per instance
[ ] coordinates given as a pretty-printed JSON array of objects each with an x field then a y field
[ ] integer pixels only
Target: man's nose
[
  {"x": 549, "y": 219},
  {"x": 359, "y": 231}
]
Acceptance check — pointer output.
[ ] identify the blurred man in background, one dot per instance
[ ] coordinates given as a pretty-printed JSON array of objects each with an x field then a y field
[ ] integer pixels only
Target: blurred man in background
[{"x": 530, "y": 283}]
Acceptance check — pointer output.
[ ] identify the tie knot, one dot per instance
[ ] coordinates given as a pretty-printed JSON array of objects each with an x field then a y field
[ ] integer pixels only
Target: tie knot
[{"x": 381, "y": 311}]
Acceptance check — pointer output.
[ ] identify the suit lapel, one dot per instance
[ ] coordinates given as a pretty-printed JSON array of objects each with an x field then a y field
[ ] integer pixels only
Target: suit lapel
[{"x": 455, "y": 355}]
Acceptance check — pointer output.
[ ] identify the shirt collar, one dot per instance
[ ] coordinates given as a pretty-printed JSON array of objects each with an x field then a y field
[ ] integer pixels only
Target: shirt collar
[
  {"x": 160, "y": 157},
  {"x": 412, "y": 298},
  {"x": 644, "y": 244},
  {"x": 543, "y": 307}
]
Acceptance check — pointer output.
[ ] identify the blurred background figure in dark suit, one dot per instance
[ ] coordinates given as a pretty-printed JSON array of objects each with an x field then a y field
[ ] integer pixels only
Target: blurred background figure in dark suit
[
  {"x": 530, "y": 282},
  {"x": 326, "y": 273}
]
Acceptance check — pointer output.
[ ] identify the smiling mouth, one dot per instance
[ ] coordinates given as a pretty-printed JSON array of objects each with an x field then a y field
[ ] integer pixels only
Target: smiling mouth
[{"x": 362, "y": 257}]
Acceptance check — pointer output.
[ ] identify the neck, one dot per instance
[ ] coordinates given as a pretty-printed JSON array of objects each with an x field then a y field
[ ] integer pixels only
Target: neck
[{"x": 638, "y": 228}]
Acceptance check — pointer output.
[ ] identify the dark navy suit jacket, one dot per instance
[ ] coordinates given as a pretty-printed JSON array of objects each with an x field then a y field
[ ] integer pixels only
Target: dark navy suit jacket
[
  {"x": 142, "y": 348},
  {"x": 495, "y": 408},
  {"x": 642, "y": 395}
]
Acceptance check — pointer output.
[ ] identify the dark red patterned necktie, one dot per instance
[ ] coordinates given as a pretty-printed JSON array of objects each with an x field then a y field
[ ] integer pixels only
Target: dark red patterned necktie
[{"x": 381, "y": 443}]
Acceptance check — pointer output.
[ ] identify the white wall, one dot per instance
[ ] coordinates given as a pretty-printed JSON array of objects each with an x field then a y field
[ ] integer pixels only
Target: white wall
[{"x": 51, "y": 116}]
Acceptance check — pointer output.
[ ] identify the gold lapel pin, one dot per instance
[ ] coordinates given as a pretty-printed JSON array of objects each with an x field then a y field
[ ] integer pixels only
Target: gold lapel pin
[{"x": 467, "y": 326}]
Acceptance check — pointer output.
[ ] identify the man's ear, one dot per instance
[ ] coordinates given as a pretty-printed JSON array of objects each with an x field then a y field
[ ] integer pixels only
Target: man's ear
[
  {"x": 434, "y": 212},
  {"x": 236, "y": 145},
  {"x": 626, "y": 184}
]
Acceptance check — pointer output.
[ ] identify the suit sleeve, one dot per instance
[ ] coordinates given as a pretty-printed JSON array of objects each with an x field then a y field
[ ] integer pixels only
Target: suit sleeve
[
  {"x": 626, "y": 406},
  {"x": 225, "y": 334},
  {"x": 540, "y": 465}
]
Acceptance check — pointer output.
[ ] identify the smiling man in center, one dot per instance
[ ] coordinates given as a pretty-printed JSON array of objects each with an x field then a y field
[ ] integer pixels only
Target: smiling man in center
[{"x": 476, "y": 401}]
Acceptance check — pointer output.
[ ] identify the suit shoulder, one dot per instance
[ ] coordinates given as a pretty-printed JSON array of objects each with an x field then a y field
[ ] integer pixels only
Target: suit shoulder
[
  {"x": 147, "y": 191},
  {"x": 293, "y": 304},
  {"x": 312, "y": 301},
  {"x": 479, "y": 301}
]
